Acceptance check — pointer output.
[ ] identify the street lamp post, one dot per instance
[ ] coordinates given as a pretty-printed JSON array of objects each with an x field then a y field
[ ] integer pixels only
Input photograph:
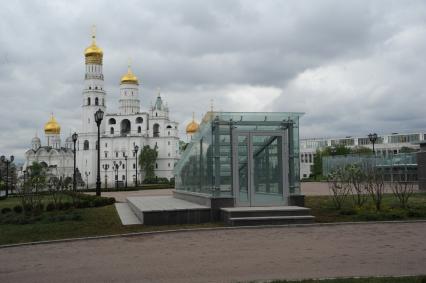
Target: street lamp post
[
  {"x": 136, "y": 149},
  {"x": 125, "y": 159},
  {"x": 87, "y": 179},
  {"x": 106, "y": 167},
  {"x": 99, "y": 115},
  {"x": 74, "y": 181},
  {"x": 3, "y": 159},
  {"x": 373, "y": 139},
  {"x": 115, "y": 168}
]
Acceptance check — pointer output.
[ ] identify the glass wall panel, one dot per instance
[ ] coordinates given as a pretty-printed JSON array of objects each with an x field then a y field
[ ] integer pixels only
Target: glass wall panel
[{"x": 206, "y": 164}]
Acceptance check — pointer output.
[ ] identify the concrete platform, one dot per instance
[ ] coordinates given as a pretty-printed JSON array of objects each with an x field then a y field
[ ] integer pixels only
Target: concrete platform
[
  {"x": 127, "y": 216},
  {"x": 166, "y": 210}
]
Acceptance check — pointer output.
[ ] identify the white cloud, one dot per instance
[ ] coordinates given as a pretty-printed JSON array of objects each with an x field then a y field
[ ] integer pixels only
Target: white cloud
[{"x": 353, "y": 66}]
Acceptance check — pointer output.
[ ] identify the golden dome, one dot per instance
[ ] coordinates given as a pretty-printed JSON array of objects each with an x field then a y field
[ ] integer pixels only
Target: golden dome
[
  {"x": 129, "y": 78},
  {"x": 192, "y": 127},
  {"x": 93, "y": 53},
  {"x": 52, "y": 126}
]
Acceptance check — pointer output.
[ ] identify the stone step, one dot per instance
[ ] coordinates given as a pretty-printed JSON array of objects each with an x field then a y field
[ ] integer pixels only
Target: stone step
[
  {"x": 126, "y": 214},
  {"x": 265, "y": 211},
  {"x": 270, "y": 220},
  {"x": 166, "y": 210}
]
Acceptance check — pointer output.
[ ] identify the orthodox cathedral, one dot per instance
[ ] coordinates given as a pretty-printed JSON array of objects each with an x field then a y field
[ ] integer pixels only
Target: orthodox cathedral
[{"x": 120, "y": 132}]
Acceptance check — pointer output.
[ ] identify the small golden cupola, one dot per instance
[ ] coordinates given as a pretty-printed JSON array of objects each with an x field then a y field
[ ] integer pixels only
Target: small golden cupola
[
  {"x": 52, "y": 126},
  {"x": 192, "y": 127},
  {"x": 93, "y": 53},
  {"x": 129, "y": 77}
]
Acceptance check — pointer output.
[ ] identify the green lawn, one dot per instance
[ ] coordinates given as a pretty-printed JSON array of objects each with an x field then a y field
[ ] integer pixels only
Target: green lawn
[
  {"x": 73, "y": 223},
  {"x": 105, "y": 221},
  {"x": 410, "y": 279},
  {"x": 323, "y": 210}
]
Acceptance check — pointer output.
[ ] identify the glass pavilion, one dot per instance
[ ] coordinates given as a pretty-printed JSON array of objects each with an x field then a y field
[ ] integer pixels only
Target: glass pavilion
[{"x": 251, "y": 158}]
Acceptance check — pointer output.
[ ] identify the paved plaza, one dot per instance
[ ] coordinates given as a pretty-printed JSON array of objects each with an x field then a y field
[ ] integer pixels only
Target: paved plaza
[
  {"x": 307, "y": 188},
  {"x": 226, "y": 255}
]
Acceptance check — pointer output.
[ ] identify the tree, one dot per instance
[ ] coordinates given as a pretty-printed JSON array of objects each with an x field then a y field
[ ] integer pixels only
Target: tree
[
  {"x": 339, "y": 186},
  {"x": 147, "y": 159},
  {"x": 356, "y": 179},
  {"x": 375, "y": 186},
  {"x": 403, "y": 187}
]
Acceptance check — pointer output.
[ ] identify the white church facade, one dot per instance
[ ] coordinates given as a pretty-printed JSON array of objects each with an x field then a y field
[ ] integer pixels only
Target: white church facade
[
  {"x": 120, "y": 131},
  {"x": 55, "y": 158}
]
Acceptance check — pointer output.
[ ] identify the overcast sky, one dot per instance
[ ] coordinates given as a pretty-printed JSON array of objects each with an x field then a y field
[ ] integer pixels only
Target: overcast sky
[{"x": 353, "y": 67}]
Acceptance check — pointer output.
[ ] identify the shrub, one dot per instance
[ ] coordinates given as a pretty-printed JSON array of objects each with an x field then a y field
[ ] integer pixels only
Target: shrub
[
  {"x": 18, "y": 209},
  {"x": 64, "y": 205},
  {"x": 50, "y": 206},
  {"x": 6, "y": 210},
  {"x": 349, "y": 211},
  {"x": 111, "y": 200},
  {"x": 156, "y": 180},
  {"x": 98, "y": 202},
  {"x": 28, "y": 208},
  {"x": 38, "y": 209}
]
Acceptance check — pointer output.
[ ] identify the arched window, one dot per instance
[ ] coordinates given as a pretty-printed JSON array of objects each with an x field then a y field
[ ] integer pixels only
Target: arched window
[
  {"x": 111, "y": 121},
  {"x": 86, "y": 145},
  {"x": 139, "y": 120},
  {"x": 156, "y": 130},
  {"x": 125, "y": 127},
  {"x": 96, "y": 101},
  {"x": 123, "y": 177},
  {"x": 156, "y": 165},
  {"x": 96, "y": 87},
  {"x": 90, "y": 87},
  {"x": 111, "y": 130},
  {"x": 103, "y": 102},
  {"x": 156, "y": 114},
  {"x": 169, "y": 127},
  {"x": 88, "y": 101},
  {"x": 139, "y": 129}
]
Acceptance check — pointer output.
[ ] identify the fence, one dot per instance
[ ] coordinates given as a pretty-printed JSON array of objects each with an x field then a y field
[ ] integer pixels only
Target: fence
[{"x": 396, "y": 167}]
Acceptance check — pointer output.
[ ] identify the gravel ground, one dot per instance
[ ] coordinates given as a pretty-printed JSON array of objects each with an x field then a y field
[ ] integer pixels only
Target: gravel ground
[{"x": 226, "y": 255}]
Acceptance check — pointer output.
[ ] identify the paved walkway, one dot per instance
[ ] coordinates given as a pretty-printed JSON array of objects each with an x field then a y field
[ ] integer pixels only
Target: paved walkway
[
  {"x": 226, "y": 255},
  {"x": 307, "y": 188},
  {"x": 121, "y": 196}
]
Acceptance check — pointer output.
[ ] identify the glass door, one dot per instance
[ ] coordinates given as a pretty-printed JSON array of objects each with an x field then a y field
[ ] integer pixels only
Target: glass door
[{"x": 260, "y": 168}]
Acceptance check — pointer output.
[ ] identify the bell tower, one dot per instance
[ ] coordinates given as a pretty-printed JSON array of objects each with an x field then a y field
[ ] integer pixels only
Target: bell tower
[{"x": 94, "y": 98}]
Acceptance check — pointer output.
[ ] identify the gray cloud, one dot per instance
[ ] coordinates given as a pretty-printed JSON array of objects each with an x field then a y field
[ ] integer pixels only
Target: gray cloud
[{"x": 352, "y": 66}]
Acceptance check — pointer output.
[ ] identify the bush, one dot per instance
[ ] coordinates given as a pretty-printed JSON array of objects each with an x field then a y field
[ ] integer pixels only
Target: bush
[
  {"x": 98, "y": 202},
  {"x": 64, "y": 205},
  {"x": 156, "y": 180},
  {"x": 83, "y": 204},
  {"x": 18, "y": 209},
  {"x": 38, "y": 209},
  {"x": 50, "y": 206},
  {"x": 6, "y": 210},
  {"x": 349, "y": 211}
]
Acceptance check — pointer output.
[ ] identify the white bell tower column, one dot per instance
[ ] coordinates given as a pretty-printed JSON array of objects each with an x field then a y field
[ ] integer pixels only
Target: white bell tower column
[{"x": 94, "y": 98}]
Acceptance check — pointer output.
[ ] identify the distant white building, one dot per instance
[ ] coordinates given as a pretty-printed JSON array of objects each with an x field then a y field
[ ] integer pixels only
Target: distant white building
[
  {"x": 123, "y": 130},
  {"x": 120, "y": 132},
  {"x": 385, "y": 145},
  {"x": 57, "y": 159}
]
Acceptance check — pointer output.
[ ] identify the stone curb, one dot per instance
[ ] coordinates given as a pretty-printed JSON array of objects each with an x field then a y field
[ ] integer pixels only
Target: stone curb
[
  {"x": 135, "y": 234},
  {"x": 345, "y": 277}
]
